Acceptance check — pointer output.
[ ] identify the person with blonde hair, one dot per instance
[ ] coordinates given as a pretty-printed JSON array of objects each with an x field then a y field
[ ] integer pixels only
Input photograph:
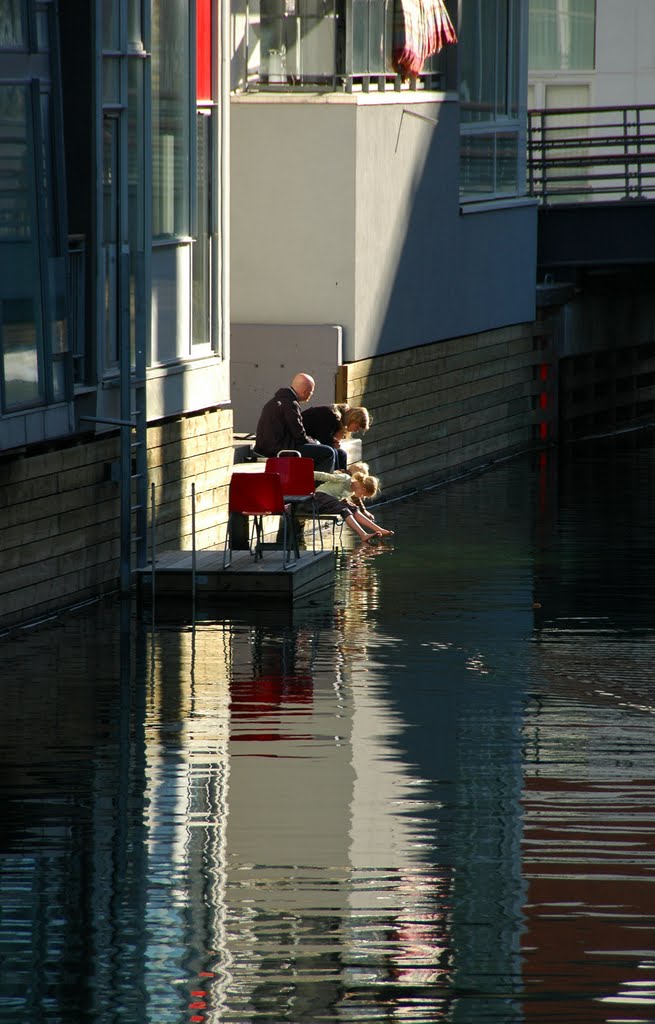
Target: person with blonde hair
[
  {"x": 343, "y": 494},
  {"x": 331, "y": 424}
]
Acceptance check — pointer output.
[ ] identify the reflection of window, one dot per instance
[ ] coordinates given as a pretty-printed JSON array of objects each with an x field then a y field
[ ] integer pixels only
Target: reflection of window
[
  {"x": 170, "y": 117},
  {"x": 490, "y": 55},
  {"x": 562, "y": 35}
]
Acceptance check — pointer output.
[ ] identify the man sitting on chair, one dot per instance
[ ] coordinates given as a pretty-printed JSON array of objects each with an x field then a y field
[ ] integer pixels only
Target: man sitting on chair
[{"x": 281, "y": 428}]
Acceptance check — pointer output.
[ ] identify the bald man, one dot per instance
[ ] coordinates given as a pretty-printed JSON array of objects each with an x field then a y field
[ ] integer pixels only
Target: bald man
[{"x": 281, "y": 428}]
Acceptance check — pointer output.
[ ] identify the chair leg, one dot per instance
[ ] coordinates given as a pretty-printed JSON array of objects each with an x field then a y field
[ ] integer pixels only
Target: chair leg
[
  {"x": 258, "y": 533},
  {"x": 289, "y": 550},
  {"x": 227, "y": 547}
]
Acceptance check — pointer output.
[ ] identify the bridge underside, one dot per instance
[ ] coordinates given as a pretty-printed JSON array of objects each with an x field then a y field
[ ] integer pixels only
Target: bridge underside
[{"x": 596, "y": 234}]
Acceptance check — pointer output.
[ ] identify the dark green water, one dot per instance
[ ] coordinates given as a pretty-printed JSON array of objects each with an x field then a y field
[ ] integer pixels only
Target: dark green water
[{"x": 427, "y": 797}]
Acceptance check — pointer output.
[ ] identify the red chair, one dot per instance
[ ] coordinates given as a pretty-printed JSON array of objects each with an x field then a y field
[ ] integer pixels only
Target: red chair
[
  {"x": 298, "y": 485},
  {"x": 258, "y": 495}
]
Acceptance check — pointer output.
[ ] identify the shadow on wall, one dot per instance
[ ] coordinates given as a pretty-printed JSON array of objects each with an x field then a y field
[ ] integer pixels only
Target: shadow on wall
[{"x": 265, "y": 357}]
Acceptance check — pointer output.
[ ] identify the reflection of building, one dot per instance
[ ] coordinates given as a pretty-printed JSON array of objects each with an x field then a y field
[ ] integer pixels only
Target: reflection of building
[
  {"x": 186, "y": 819},
  {"x": 587, "y": 850}
]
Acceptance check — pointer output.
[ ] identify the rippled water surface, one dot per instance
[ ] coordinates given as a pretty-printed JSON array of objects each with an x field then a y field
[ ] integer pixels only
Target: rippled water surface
[{"x": 429, "y": 796}]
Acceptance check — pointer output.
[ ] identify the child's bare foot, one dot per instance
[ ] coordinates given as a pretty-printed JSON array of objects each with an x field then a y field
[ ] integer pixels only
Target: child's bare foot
[{"x": 384, "y": 533}]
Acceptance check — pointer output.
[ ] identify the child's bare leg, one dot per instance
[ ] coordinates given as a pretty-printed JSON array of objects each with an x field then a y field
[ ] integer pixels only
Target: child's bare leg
[
  {"x": 353, "y": 523},
  {"x": 364, "y": 521}
]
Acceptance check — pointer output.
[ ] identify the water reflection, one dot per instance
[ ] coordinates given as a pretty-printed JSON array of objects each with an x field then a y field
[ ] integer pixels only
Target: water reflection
[{"x": 427, "y": 799}]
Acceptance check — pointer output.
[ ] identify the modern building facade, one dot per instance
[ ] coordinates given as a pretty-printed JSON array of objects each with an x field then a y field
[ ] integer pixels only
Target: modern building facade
[
  {"x": 195, "y": 202},
  {"x": 592, "y": 118},
  {"x": 591, "y": 53},
  {"x": 395, "y": 212},
  {"x": 114, "y": 321}
]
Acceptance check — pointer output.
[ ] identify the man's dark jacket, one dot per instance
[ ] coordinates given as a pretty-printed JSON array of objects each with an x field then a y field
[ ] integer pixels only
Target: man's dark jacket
[
  {"x": 323, "y": 422},
  {"x": 280, "y": 425}
]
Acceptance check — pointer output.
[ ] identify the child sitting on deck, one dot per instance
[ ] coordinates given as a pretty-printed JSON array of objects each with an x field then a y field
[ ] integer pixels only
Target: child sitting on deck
[{"x": 343, "y": 494}]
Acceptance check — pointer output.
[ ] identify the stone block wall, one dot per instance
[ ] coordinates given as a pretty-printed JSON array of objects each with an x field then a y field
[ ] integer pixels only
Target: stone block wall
[
  {"x": 60, "y": 512},
  {"x": 452, "y": 405}
]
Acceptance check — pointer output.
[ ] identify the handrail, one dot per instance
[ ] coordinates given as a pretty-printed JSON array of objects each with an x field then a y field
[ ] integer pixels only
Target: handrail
[{"x": 590, "y": 154}]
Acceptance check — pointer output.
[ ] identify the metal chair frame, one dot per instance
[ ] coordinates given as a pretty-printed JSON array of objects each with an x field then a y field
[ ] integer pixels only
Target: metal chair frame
[
  {"x": 257, "y": 495},
  {"x": 298, "y": 485}
]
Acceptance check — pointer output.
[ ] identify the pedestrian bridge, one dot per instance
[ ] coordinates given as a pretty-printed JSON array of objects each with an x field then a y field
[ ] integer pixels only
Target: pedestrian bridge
[{"x": 592, "y": 169}]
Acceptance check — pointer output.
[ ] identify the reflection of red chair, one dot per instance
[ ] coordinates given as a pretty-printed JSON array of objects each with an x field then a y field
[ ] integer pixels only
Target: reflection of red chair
[
  {"x": 298, "y": 485},
  {"x": 258, "y": 495}
]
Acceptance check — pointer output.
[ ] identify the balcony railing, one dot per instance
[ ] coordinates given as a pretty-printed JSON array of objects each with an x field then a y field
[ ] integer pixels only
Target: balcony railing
[
  {"x": 320, "y": 45},
  {"x": 591, "y": 154}
]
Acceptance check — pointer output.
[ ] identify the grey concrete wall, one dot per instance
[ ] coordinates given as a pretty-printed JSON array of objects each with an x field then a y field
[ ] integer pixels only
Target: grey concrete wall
[
  {"x": 266, "y": 357},
  {"x": 345, "y": 210}
]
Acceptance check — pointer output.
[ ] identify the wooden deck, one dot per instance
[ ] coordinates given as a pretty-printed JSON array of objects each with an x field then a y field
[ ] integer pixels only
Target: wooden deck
[{"x": 247, "y": 579}]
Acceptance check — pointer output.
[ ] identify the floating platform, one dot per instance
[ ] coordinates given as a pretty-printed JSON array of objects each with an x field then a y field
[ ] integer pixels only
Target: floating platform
[{"x": 265, "y": 579}]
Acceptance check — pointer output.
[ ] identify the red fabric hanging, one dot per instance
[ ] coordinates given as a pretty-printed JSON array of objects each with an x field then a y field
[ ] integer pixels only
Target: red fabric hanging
[{"x": 421, "y": 29}]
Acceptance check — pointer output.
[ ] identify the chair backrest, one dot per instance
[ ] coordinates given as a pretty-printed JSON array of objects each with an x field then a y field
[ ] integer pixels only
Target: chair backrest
[
  {"x": 256, "y": 494},
  {"x": 296, "y": 475}
]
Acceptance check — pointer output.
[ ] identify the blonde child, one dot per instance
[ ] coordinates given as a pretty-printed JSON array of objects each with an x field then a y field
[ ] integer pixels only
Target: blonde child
[{"x": 343, "y": 494}]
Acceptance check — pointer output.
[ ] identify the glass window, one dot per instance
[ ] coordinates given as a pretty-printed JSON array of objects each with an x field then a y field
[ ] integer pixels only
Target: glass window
[
  {"x": 562, "y": 35},
  {"x": 170, "y": 117},
  {"x": 110, "y": 25},
  {"x": 202, "y": 243},
  {"x": 11, "y": 25},
  {"x": 490, "y": 63},
  {"x": 20, "y": 282},
  {"x": 43, "y": 13},
  {"x": 489, "y": 59}
]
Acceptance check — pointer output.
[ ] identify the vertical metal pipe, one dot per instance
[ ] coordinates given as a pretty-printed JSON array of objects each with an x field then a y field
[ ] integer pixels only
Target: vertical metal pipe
[
  {"x": 152, "y": 545},
  {"x": 193, "y": 548}
]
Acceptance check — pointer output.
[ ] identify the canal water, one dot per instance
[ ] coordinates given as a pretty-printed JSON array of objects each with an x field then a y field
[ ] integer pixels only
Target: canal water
[{"x": 428, "y": 796}]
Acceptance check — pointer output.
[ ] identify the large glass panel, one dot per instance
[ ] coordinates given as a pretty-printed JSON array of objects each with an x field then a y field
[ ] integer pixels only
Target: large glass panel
[
  {"x": 11, "y": 25},
  {"x": 170, "y": 117},
  {"x": 43, "y": 13},
  {"x": 111, "y": 236},
  {"x": 15, "y": 219},
  {"x": 477, "y": 158},
  {"x": 20, "y": 281},
  {"x": 490, "y": 60},
  {"x": 562, "y": 35},
  {"x": 135, "y": 200},
  {"x": 111, "y": 70},
  {"x": 507, "y": 152},
  {"x": 479, "y": 50},
  {"x": 47, "y": 176},
  {"x": 202, "y": 244},
  {"x": 110, "y": 25}
]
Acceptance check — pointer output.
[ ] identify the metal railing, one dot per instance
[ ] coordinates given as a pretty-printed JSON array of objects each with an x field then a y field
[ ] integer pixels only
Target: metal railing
[
  {"x": 591, "y": 154},
  {"x": 320, "y": 45}
]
